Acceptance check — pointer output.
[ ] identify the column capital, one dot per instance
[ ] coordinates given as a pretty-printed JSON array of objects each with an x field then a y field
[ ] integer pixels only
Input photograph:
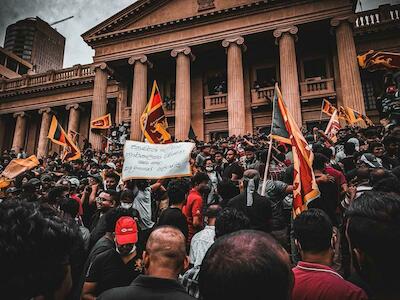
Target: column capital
[
  {"x": 102, "y": 66},
  {"x": 21, "y": 114},
  {"x": 44, "y": 110},
  {"x": 238, "y": 40},
  {"x": 291, "y": 30},
  {"x": 185, "y": 51},
  {"x": 336, "y": 21},
  {"x": 140, "y": 58},
  {"x": 74, "y": 106}
]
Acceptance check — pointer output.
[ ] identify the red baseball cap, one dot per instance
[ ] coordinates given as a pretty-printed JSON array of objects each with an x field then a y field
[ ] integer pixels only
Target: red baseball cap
[{"x": 126, "y": 231}]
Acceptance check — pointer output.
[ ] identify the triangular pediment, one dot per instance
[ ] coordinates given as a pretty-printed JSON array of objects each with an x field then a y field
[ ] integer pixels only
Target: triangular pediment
[{"x": 144, "y": 13}]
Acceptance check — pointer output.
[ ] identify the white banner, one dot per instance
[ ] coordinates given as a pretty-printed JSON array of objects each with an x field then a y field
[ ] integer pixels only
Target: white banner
[{"x": 155, "y": 161}]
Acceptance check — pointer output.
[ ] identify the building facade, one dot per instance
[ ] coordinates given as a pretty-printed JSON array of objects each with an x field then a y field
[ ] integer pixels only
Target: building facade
[
  {"x": 35, "y": 41},
  {"x": 215, "y": 61},
  {"x": 12, "y": 66}
]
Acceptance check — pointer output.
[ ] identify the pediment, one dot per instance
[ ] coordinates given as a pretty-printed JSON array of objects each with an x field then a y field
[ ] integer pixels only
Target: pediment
[{"x": 145, "y": 13}]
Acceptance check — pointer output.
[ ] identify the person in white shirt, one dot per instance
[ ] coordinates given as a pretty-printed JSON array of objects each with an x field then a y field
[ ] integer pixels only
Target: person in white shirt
[{"x": 203, "y": 240}]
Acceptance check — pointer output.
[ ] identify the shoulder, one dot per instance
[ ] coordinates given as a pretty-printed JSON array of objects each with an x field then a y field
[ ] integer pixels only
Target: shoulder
[{"x": 117, "y": 293}]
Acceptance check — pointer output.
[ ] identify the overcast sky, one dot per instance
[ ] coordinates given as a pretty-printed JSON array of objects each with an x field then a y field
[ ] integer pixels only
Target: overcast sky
[{"x": 87, "y": 13}]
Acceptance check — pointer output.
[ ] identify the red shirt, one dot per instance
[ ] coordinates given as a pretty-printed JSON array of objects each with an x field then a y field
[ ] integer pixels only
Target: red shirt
[
  {"x": 77, "y": 199},
  {"x": 193, "y": 208},
  {"x": 320, "y": 282}
]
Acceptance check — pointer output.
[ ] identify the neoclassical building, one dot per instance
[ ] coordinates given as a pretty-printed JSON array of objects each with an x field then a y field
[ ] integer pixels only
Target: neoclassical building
[{"x": 215, "y": 62}]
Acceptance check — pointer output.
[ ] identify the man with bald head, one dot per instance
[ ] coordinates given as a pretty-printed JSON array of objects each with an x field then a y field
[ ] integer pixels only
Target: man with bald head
[
  {"x": 256, "y": 207},
  {"x": 164, "y": 259}
]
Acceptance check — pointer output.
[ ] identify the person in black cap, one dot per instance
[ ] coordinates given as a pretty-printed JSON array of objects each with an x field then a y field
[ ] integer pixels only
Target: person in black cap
[
  {"x": 205, "y": 152},
  {"x": 251, "y": 161}
]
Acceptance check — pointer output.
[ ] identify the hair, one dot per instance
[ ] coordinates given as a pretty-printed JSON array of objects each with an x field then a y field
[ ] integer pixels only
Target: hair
[
  {"x": 112, "y": 175},
  {"x": 389, "y": 185},
  {"x": 227, "y": 189},
  {"x": 250, "y": 259},
  {"x": 35, "y": 246},
  {"x": 319, "y": 161},
  {"x": 126, "y": 194},
  {"x": 177, "y": 190},
  {"x": 377, "y": 174},
  {"x": 71, "y": 207},
  {"x": 373, "y": 145},
  {"x": 230, "y": 220},
  {"x": 166, "y": 248},
  {"x": 374, "y": 228},
  {"x": 327, "y": 152},
  {"x": 141, "y": 184},
  {"x": 213, "y": 211},
  {"x": 114, "y": 195},
  {"x": 396, "y": 172},
  {"x": 55, "y": 193},
  {"x": 349, "y": 148},
  {"x": 111, "y": 217},
  {"x": 199, "y": 178},
  {"x": 313, "y": 230},
  {"x": 233, "y": 150}
]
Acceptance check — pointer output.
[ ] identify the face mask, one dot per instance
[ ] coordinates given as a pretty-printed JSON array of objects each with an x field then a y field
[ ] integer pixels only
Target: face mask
[
  {"x": 209, "y": 169},
  {"x": 124, "y": 251},
  {"x": 126, "y": 205}
]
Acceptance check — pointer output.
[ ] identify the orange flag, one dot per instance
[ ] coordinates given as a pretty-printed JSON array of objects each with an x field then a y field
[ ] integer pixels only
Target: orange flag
[
  {"x": 284, "y": 128},
  {"x": 328, "y": 108},
  {"x": 58, "y": 136},
  {"x": 153, "y": 121},
  {"x": 103, "y": 122},
  {"x": 19, "y": 165}
]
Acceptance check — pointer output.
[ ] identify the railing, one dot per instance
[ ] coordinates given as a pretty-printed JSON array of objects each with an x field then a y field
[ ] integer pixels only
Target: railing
[
  {"x": 75, "y": 72},
  {"x": 216, "y": 102},
  {"x": 383, "y": 14},
  {"x": 262, "y": 95},
  {"x": 317, "y": 88}
]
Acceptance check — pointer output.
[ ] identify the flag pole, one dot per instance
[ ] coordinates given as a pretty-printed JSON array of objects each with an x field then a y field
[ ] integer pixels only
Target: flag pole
[
  {"x": 264, "y": 184},
  {"x": 320, "y": 114}
]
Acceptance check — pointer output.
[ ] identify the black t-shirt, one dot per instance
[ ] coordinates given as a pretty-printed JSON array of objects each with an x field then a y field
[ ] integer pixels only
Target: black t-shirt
[
  {"x": 233, "y": 168},
  {"x": 109, "y": 271},
  {"x": 260, "y": 213},
  {"x": 173, "y": 216},
  {"x": 327, "y": 201},
  {"x": 148, "y": 288}
]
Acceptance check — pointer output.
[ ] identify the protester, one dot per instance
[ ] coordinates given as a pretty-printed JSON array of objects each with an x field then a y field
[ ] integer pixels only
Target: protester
[
  {"x": 193, "y": 209},
  {"x": 313, "y": 276},
  {"x": 248, "y": 265},
  {"x": 115, "y": 267},
  {"x": 373, "y": 231},
  {"x": 177, "y": 193},
  {"x": 164, "y": 258},
  {"x": 256, "y": 207}
]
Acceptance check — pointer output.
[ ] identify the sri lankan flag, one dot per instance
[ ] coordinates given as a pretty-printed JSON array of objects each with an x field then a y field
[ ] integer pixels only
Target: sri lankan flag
[
  {"x": 328, "y": 108},
  {"x": 103, "y": 122},
  {"x": 355, "y": 116},
  {"x": 153, "y": 121},
  {"x": 285, "y": 129},
  {"x": 379, "y": 60},
  {"x": 343, "y": 114},
  {"x": 58, "y": 136}
]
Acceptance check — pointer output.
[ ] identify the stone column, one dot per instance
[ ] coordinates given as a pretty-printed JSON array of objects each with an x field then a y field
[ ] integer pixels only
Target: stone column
[
  {"x": 99, "y": 102},
  {"x": 236, "y": 104},
  {"x": 286, "y": 38},
  {"x": 182, "y": 91},
  {"x": 352, "y": 95},
  {"x": 74, "y": 114},
  {"x": 44, "y": 131},
  {"x": 20, "y": 131},
  {"x": 140, "y": 64}
]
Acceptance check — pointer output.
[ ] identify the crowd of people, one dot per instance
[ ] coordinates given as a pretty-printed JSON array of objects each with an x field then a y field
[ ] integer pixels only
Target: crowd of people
[{"x": 75, "y": 230}]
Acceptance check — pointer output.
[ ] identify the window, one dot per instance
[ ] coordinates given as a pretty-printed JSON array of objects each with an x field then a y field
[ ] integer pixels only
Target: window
[
  {"x": 266, "y": 77},
  {"x": 22, "y": 70},
  {"x": 315, "y": 68},
  {"x": 12, "y": 64},
  {"x": 2, "y": 59},
  {"x": 368, "y": 92},
  {"x": 216, "y": 83}
]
